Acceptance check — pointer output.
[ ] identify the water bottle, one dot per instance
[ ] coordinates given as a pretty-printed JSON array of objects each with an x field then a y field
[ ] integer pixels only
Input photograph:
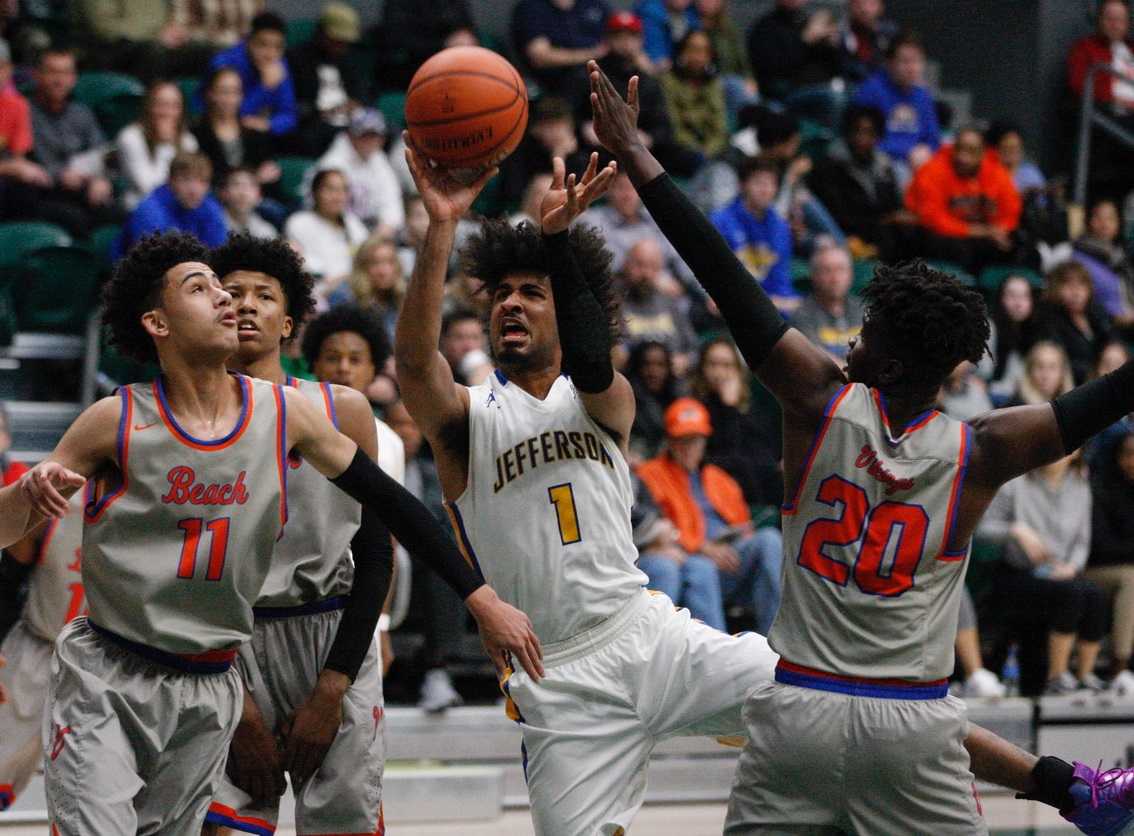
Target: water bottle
[{"x": 1010, "y": 674}]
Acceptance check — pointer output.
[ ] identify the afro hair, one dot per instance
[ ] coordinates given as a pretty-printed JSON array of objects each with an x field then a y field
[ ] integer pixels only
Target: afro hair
[
  {"x": 273, "y": 257},
  {"x": 362, "y": 321},
  {"x": 135, "y": 287},
  {"x": 926, "y": 319}
]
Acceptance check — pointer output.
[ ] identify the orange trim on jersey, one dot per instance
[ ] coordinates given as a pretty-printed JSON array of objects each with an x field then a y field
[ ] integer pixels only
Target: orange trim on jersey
[
  {"x": 234, "y": 435},
  {"x": 94, "y": 510},
  {"x": 954, "y": 496},
  {"x": 912, "y": 428},
  {"x": 809, "y": 460}
]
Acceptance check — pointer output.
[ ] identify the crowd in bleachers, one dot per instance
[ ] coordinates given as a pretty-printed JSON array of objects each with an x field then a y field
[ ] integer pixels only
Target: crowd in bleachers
[{"x": 813, "y": 140}]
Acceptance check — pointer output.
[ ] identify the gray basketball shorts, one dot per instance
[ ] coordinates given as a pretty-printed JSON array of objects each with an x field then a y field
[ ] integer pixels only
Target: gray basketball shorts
[
  {"x": 25, "y": 679},
  {"x": 132, "y": 745},
  {"x": 280, "y": 666}
]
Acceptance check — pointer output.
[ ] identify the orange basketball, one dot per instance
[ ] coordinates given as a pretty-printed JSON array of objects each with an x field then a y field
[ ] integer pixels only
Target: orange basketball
[{"x": 466, "y": 107}]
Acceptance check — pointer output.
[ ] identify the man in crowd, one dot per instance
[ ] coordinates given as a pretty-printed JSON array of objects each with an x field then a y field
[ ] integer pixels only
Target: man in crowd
[
  {"x": 829, "y": 316},
  {"x": 866, "y": 37},
  {"x": 375, "y": 195},
  {"x": 240, "y": 195},
  {"x": 16, "y": 170},
  {"x": 556, "y": 37},
  {"x": 184, "y": 203},
  {"x": 269, "y": 98},
  {"x": 650, "y": 314},
  {"x": 795, "y": 53}
]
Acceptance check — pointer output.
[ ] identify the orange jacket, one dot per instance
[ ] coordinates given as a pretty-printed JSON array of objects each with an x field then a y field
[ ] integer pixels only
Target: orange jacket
[
  {"x": 668, "y": 483},
  {"x": 946, "y": 204}
]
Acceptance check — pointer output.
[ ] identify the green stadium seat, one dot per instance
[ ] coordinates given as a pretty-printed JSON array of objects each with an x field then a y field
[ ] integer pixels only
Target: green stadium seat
[
  {"x": 293, "y": 171},
  {"x": 393, "y": 107},
  {"x": 101, "y": 243},
  {"x": 57, "y": 290},
  {"x": 992, "y": 277},
  {"x": 951, "y": 267},
  {"x": 863, "y": 273},
  {"x": 300, "y": 31},
  {"x": 188, "y": 86},
  {"x": 115, "y": 98},
  {"x": 19, "y": 238},
  {"x": 801, "y": 275}
]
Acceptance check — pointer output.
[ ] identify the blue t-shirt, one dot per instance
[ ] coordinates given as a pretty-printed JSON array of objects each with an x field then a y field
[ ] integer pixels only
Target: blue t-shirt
[
  {"x": 658, "y": 40},
  {"x": 762, "y": 244},
  {"x": 277, "y": 103},
  {"x": 911, "y": 118},
  {"x": 579, "y": 27},
  {"x": 160, "y": 212}
]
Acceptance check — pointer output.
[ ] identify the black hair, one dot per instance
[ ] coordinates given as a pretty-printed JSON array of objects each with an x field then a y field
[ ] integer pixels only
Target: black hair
[
  {"x": 926, "y": 319},
  {"x": 774, "y": 127},
  {"x": 273, "y": 257},
  {"x": 634, "y": 363},
  {"x": 458, "y": 315},
  {"x": 679, "y": 47},
  {"x": 322, "y": 174},
  {"x": 998, "y": 130},
  {"x": 1011, "y": 336},
  {"x": 500, "y": 249},
  {"x": 756, "y": 165},
  {"x": 211, "y": 77},
  {"x": 55, "y": 49},
  {"x": 905, "y": 38},
  {"x": 857, "y": 112},
  {"x": 238, "y": 169},
  {"x": 1096, "y": 202},
  {"x": 362, "y": 321},
  {"x": 136, "y": 285},
  {"x": 551, "y": 109},
  {"x": 268, "y": 21}
]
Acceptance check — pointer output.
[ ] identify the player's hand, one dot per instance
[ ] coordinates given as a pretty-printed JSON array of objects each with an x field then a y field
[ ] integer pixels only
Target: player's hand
[
  {"x": 42, "y": 485},
  {"x": 446, "y": 198},
  {"x": 313, "y": 727},
  {"x": 254, "y": 762},
  {"x": 616, "y": 120},
  {"x": 723, "y": 555},
  {"x": 506, "y": 630},
  {"x": 566, "y": 200}
]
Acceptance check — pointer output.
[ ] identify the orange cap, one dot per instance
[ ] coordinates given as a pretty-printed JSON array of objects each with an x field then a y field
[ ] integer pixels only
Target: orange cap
[{"x": 685, "y": 417}]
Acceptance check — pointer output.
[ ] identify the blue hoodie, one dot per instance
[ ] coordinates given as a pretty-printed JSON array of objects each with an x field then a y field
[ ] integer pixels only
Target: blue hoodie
[
  {"x": 160, "y": 212},
  {"x": 277, "y": 103},
  {"x": 762, "y": 244},
  {"x": 911, "y": 118}
]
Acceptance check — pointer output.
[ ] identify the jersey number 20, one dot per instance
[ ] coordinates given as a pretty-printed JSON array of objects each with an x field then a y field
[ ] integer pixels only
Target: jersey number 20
[{"x": 879, "y": 523}]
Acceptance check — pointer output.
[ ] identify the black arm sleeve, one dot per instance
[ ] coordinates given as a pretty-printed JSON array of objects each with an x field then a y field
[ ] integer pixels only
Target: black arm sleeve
[
  {"x": 373, "y": 567},
  {"x": 1094, "y": 406},
  {"x": 13, "y": 577},
  {"x": 584, "y": 332},
  {"x": 755, "y": 323},
  {"x": 410, "y": 522}
]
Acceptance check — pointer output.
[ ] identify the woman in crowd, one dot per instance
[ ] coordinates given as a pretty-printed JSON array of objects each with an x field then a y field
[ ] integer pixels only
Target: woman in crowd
[
  {"x": 1070, "y": 316},
  {"x": 146, "y": 147},
  {"x": 1047, "y": 375},
  {"x": 1007, "y": 143},
  {"x": 1103, "y": 253},
  {"x": 1097, "y": 450},
  {"x": 329, "y": 233},
  {"x": 224, "y": 139},
  {"x": 1011, "y": 336},
  {"x": 695, "y": 97},
  {"x": 650, "y": 372},
  {"x": 377, "y": 282}
]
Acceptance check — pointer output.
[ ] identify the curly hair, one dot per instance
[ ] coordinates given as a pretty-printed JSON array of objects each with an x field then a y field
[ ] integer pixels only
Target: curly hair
[
  {"x": 926, "y": 319},
  {"x": 341, "y": 318},
  {"x": 273, "y": 257},
  {"x": 135, "y": 287},
  {"x": 501, "y": 249}
]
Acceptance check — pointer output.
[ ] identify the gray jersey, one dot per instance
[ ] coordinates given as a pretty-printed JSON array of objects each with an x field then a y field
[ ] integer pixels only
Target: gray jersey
[
  {"x": 546, "y": 510},
  {"x": 176, "y": 551},
  {"x": 313, "y": 560},
  {"x": 870, "y": 589},
  {"x": 55, "y": 591}
]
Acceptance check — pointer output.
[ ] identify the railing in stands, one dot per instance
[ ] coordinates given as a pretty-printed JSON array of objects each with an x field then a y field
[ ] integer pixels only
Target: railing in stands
[{"x": 1089, "y": 116}]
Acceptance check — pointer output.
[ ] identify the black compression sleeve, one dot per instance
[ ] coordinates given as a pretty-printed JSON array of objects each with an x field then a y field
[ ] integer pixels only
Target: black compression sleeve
[
  {"x": 373, "y": 567},
  {"x": 1053, "y": 779},
  {"x": 410, "y": 522},
  {"x": 755, "y": 323},
  {"x": 13, "y": 576},
  {"x": 584, "y": 333},
  {"x": 1094, "y": 406}
]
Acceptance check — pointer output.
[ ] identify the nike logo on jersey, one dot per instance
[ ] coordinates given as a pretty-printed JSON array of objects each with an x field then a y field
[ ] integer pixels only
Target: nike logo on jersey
[
  {"x": 868, "y": 461},
  {"x": 140, "y": 427},
  {"x": 184, "y": 488},
  {"x": 545, "y": 448}
]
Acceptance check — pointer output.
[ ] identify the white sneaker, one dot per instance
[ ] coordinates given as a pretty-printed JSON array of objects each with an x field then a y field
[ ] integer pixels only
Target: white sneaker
[
  {"x": 983, "y": 683},
  {"x": 437, "y": 692},
  {"x": 1123, "y": 684}
]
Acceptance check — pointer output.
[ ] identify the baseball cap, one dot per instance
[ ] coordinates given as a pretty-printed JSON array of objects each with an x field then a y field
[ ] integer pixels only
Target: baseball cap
[
  {"x": 686, "y": 417},
  {"x": 340, "y": 21},
  {"x": 367, "y": 120},
  {"x": 624, "y": 22}
]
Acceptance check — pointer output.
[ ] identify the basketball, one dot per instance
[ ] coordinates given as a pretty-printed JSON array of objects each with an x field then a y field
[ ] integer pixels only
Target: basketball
[{"x": 466, "y": 107}]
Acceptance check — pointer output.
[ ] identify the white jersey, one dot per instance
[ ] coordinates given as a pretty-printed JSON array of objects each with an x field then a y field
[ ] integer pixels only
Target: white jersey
[
  {"x": 55, "y": 590},
  {"x": 545, "y": 514},
  {"x": 870, "y": 588}
]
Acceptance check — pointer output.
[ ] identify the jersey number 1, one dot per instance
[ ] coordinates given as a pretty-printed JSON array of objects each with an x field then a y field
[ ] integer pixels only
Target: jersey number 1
[
  {"x": 879, "y": 523},
  {"x": 192, "y": 527},
  {"x": 563, "y": 498}
]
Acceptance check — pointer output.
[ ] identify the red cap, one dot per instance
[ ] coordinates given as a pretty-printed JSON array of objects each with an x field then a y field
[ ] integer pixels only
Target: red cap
[
  {"x": 624, "y": 22},
  {"x": 686, "y": 417}
]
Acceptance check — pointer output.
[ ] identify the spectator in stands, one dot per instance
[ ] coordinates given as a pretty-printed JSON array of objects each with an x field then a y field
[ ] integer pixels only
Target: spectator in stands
[
  {"x": 1111, "y": 565},
  {"x": 329, "y": 233},
  {"x": 1111, "y": 45},
  {"x": 829, "y": 316},
  {"x": 376, "y": 282},
  {"x": 1069, "y": 316},
  {"x": 375, "y": 196},
  {"x": 10, "y": 469},
  {"x": 795, "y": 54},
  {"x": 240, "y": 195},
  {"x": 530, "y": 202},
  {"x": 964, "y": 394},
  {"x": 406, "y": 37},
  {"x": 1104, "y": 254},
  {"x": 650, "y": 314},
  {"x": 328, "y": 82},
  {"x": 268, "y": 105},
  {"x": 465, "y": 346},
  {"x": 551, "y": 133},
  {"x": 741, "y": 443},
  {"x": 1047, "y": 375},
  {"x": 899, "y": 91},
  {"x": 866, "y": 37},
  {"x": 412, "y": 235},
  {"x": 213, "y": 25},
  {"x": 756, "y": 232},
  {"x": 695, "y": 97},
  {"x": 650, "y": 372},
  {"x": 1043, "y": 519},
  {"x": 966, "y": 204},
  {"x": 125, "y": 35},
  {"x": 732, "y": 55},
  {"x": 557, "y": 37},
  {"x": 17, "y": 172},
  {"x": 1005, "y": 139},
  {"x": 708, "y": 509},
  {"x": 1097, "y": 449},
  {"x": 664, "y": 24},
  {"x": 858, "y": 185},
  {"x": 184, "y": 204},
  {"x": 1011, "y": 336},
  {"x": 224, "y": 139},
  {"x": 146, "y": 147},
  {"x": 978, "y": 680}
]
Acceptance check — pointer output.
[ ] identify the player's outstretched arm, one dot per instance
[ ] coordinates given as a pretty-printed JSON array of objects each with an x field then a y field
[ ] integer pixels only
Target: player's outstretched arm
[
  {"x": 800, "y": 375},
  {"x": 503, "y": 628},
  {"x": 45, "y": 490}
]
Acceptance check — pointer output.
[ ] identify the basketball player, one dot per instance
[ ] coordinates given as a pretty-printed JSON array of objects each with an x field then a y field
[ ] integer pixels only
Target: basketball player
[
  {"x": 54, "y": 597},
  {"x": 190, "y": 501},
  {"x": 857, "y": 733},
  {"x": 532, "y": 463},
  {"x": 312, "y": 668}
]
